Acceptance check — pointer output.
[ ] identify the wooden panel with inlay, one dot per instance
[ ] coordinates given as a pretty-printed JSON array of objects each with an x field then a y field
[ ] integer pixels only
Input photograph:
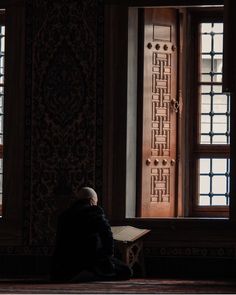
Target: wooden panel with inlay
[{"x": 159, "y": 113}]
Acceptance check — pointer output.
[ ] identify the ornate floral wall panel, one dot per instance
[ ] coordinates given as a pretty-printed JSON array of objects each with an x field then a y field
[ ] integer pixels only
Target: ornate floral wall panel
[{"x": 62, "y": 108}]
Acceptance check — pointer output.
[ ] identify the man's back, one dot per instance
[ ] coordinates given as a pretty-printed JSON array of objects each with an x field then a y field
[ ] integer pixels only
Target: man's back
[{"x": 83, "y": 236}]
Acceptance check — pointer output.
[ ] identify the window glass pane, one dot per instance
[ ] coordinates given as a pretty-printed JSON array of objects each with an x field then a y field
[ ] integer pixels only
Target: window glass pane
[
  {"x": 219, "y": 119},
  {"x": 206, "y": 43},
  {"x": 220, "y": 128},
  {"x": 214, "y": 182},
  {"x": 1, "y": 76},
  {"x": 205, "y": 104},
  {"x": 205, "y": 139},
  {"x": 205, "y": 89},
  {"x": 217, "y": 69},
  {"x": 206, "y": 78},
  {"x": 217, "y": 77},
  {"x": 212, "y": 28},
  {"x": 219, "y": 200},
  {"x": 204, "y": 200},
  {"x": 217, "y": 89},
  {"x": 220, "y": 104},
  {"x": 206, "y": 68},
  {"x": 204, "y": 166},
  {"x": 219, "y": 139},
  {"x": 206, "y": 63},
  {"x": 206, "y": 119},
  {"x": 205, "y": 128},
  {"x": 204, "y": 184},
  {"x": 218, "y": 43},
  {"x": 206, "y": 27},
  {"x": 218, "y": 184},
  {"x": 217, "y": 28},
  {"x": 219, "y": 166}
]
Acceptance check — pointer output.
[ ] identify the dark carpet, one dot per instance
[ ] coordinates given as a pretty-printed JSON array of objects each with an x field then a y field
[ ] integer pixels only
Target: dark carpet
[{"x": 134, "y": 286}]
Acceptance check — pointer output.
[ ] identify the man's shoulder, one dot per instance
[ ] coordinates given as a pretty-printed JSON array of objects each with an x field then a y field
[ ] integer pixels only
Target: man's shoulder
[
  {"x": 97, "y": 210},
  {"x": 84, "y": 212}
]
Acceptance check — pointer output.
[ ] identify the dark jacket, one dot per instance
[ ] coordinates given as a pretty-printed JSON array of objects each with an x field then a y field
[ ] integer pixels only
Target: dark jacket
[{"x": 83, "y": 237}]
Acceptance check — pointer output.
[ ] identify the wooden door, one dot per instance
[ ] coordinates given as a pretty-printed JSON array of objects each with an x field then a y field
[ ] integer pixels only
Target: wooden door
[{"x": 158, "y": 175}]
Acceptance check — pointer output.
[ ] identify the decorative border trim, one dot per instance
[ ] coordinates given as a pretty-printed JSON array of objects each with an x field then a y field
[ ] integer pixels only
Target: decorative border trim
[{"x": 220, "y": 252}]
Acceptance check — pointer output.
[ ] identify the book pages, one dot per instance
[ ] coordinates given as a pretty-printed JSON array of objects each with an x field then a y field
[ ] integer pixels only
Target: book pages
[{"x": 127, "y": 233}]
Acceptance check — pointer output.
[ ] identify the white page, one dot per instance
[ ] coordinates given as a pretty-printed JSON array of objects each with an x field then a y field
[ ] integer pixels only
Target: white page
[{"x": 127, "y": 233}]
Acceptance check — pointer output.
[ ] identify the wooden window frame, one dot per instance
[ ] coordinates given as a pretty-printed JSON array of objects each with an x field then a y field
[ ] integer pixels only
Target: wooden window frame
[
  {"x": 197, "y": 150},
  {"x": 11, "y": 222},
  {"x": 2, "y": 22},
  {"x": 115, "y": 135}
]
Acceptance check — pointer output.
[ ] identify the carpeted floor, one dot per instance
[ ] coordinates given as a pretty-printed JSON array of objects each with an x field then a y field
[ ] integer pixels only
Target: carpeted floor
[{"x": 134, "y": 286}]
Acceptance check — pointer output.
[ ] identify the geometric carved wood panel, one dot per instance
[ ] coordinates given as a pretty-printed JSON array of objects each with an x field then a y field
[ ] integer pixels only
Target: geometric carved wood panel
[
  {"x": 160, "y": 125},
  {"x": 160, "y": 185},
  {"x": 159, "y": 116},
  {"x": 161, "y": 89}
]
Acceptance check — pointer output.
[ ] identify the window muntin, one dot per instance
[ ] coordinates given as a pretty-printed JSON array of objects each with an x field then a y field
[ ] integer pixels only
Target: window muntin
[{"x": 213, "y": 172}]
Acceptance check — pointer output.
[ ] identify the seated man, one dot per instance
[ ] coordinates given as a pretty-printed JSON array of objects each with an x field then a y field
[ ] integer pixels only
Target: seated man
[{"x": 84, "y": 243}]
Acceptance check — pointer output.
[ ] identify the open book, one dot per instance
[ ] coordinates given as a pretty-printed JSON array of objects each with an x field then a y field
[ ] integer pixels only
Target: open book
[{"x": 128, "y": 233}]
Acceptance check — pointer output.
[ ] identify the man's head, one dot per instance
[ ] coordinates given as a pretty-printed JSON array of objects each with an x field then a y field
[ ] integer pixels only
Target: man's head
[{"x": 89, "y": 194}]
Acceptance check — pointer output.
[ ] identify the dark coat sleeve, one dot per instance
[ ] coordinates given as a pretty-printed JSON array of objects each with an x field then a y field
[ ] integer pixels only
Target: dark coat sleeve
[{"x": 104, "y": 230}]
